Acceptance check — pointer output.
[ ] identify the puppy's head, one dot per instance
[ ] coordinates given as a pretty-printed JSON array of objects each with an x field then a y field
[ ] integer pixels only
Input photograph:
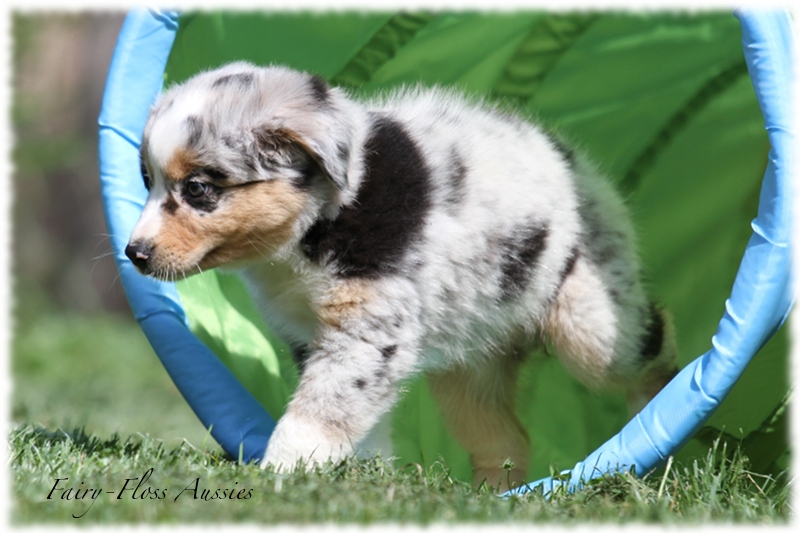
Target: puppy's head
[{"x": 234, "y": 160}]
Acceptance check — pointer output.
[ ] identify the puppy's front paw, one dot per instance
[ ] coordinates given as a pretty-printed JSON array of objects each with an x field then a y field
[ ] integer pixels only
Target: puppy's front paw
[{"x": 297, "y": 441}]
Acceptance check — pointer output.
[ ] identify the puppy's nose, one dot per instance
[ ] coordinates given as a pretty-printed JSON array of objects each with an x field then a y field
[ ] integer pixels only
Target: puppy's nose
[{"x": 139, "y": 254}]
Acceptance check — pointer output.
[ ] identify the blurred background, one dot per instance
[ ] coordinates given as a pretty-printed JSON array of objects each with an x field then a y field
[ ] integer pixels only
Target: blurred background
[{"x": 78, "y": 359}]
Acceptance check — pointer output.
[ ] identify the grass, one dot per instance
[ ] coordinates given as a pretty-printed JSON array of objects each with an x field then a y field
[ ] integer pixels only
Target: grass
[
  {"x": 191, "y": 485},
  {"x": 94, "y": 372},
  {"x": 97, "y": 378}
]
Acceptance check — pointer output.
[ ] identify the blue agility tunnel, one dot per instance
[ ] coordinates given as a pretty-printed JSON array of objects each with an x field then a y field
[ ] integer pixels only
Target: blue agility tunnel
[{"x": 536, "y": 59}]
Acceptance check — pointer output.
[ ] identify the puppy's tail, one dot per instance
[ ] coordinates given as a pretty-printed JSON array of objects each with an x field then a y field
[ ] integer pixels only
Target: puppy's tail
[{"x": 659, "y": 355}]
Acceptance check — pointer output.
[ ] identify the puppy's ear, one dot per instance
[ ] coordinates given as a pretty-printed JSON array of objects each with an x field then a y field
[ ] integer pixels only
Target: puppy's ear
[{"x": 281, "y": 147}]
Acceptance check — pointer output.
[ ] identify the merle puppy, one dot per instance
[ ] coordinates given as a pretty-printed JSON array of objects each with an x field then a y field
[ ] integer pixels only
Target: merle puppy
[{"x": 420, "y": 233}]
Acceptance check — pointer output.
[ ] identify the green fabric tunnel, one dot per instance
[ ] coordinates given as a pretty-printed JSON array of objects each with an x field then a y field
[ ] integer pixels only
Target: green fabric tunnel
[{"x": 661, "y": 101}]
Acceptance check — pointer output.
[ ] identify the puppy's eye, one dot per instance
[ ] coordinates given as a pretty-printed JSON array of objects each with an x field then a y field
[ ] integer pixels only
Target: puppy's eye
[
  {"x": 197, "y": 189},
  {"x": 200, "y": 195},
  {"x": 145, "y": 175}
]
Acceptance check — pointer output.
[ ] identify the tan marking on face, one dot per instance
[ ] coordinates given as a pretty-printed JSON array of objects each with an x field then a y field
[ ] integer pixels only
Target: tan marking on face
[
  {"x": 250, "y": 222},
  {"x": 181, "y": 165},
  {"x": 346, "y": 301}
]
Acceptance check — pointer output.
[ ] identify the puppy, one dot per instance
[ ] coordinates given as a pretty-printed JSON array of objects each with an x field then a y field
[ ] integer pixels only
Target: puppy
[{"x": 419, "y": 233}]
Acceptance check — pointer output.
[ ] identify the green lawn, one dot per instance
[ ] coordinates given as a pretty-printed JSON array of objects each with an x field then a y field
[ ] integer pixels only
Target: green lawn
[
  {"x": 93, "y": 409},
  {"x": 99, "y": 373},
  {"x": 74, "y": 478}
]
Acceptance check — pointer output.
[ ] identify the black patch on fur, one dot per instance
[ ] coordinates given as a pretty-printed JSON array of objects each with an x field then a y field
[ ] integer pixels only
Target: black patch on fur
[
  {"x": 195, "y": 127},
  {"x": 370, "y": 238},
  {"x": 654, "y": 336},
  {"x": 457, "y": 173},
  {"x": 242, "y": 79},
  {"x": 360, "y": 383},
  {"x": 214, "y": 173},
  {"x": 520, "y": 254},
  {"x": 319, "y": 89},
  {"x": 388, "y": 351},
  {"x": 170, "y": 205},
  {"x": 300, "y": 354}
]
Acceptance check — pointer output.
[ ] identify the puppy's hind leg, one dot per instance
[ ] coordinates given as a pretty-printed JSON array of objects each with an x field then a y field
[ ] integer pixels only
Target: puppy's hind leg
[
  {"x": 478, "y": 404},
  {"x": 609, "y": 339}
]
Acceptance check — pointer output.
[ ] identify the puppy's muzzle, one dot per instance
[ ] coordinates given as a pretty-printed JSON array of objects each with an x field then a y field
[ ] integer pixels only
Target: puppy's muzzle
[{"x": 139, "y": 253}]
